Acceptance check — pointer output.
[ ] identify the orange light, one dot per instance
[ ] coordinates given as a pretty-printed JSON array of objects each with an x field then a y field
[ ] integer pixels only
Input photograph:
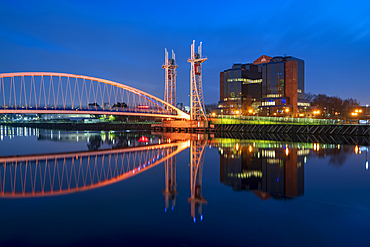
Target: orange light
[
  {"x": 250, "y": 148},
  {"x": 250, "y": 111},
  {"x": 359, "y": 111},
  {"x": 213, "y": 114},
  {"x": 237, "y": 112},
  {"x": 356, "y": 110},
  {"x": 143, "y": 107},
  {"x": 287, "y": 151},
  {"x": 286, "y": 109},
  {"x": 275, "y": 114},
  {"x": 356, "y": 149},
  {"x": 316, "y": 147}
]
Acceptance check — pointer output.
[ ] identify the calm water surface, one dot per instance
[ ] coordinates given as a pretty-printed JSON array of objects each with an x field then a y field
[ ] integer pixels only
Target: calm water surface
[{"x": 129, "y": 188}]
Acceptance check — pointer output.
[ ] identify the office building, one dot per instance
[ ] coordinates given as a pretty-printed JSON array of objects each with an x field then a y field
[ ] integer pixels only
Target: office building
[
  {"x": 239, "y": 84},
  {"x": 282, "y": 86},
  {"x": 274, "y": 85}
]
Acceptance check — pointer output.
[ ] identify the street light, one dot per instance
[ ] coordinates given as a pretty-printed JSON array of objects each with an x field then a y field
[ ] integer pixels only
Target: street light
[{"x": 367, "y": 162}]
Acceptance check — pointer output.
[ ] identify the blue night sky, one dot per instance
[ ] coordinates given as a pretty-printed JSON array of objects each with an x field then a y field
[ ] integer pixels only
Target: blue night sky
[{"x": 124, "y": 41}]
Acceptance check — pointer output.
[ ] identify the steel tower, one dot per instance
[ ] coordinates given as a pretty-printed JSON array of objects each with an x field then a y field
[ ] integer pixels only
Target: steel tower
[
  {"x": 170, "y": 78},
  {"x": 196, "y": 90}
]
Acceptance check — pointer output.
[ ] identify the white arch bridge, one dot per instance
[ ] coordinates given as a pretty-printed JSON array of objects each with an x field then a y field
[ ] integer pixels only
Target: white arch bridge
[{"x": 61, "y": 93}]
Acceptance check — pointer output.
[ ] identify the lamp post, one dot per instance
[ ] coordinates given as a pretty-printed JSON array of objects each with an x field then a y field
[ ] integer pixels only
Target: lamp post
[{"x": 367, "y": 162}]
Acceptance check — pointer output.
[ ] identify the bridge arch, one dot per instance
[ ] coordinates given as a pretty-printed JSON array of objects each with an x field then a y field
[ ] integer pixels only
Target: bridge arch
[{"x": 63, "y": 93}]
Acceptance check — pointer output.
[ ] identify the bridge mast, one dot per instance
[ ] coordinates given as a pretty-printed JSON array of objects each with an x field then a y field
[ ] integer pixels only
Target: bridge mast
[
  {"x": 196, "y": 90},
  {"x": 170, "y": 78}
]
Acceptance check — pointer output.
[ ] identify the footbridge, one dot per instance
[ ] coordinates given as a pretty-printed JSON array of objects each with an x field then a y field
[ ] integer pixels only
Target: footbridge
[{"x": 61, "y": 93}]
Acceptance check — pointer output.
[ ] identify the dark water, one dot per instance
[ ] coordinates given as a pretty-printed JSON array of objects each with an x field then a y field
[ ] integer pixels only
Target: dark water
[{"x": 248, "y": 192}]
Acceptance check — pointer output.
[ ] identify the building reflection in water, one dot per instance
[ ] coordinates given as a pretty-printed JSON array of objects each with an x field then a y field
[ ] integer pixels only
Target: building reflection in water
[
  {"x": 268, "y": 172},
  {"x": 95, "y": 140}
]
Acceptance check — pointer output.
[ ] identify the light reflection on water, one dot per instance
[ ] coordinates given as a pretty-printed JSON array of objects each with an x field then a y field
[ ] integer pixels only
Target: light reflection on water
[{"x": 319, "y": 188}]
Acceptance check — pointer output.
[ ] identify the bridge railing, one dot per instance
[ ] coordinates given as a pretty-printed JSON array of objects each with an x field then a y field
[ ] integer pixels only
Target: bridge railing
[
  {"x": 92, "y": 109},
  {"x": 225, "y": 119}
]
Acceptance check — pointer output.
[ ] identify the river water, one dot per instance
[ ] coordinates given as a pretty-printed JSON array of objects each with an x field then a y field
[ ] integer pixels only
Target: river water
[{"x": 110, "y": 188}]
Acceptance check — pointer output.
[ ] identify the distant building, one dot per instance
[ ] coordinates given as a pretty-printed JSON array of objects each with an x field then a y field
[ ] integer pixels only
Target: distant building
[
  {"x": 180, "y": 106},
  {"x": 274, "y": 85},
  {"x": 183, "y": 107}
]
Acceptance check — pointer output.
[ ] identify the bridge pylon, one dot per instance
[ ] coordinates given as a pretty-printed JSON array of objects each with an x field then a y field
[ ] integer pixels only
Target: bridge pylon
[
  {"x": 197, "y": 149},
  {"x": 197, "y": 112},
  {"x": 170, "y": 191},
  {"x": 170, "y": 78}
]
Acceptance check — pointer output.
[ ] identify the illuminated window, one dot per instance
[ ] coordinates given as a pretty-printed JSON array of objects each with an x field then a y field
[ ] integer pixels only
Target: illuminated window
[
  {"x": 268, "y": 103},
  {"x": 244, "y": 80},
  {"x": 273, "y": 95}
]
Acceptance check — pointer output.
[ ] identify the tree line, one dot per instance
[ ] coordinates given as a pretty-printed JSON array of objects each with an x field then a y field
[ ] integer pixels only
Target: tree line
[{"x": 331, "y": 104}]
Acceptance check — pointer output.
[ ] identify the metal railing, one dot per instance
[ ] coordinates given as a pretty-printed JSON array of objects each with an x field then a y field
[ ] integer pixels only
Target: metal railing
[{"x": 225, "y": 119}]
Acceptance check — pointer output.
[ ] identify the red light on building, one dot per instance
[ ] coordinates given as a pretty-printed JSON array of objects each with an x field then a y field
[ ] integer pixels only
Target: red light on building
[
  {"x": 143, "y": 107},
  {"x": 143, "y": 139}
]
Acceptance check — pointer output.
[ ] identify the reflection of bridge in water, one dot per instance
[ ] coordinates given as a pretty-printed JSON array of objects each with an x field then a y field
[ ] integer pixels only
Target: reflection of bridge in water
[
  {"x": 63, "y": 173},
  {"x": 270, "y": 169}
]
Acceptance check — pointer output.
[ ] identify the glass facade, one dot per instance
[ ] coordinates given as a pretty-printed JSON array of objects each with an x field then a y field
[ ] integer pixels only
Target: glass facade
[
  {"x": 239, "y": 82},
  {"x": 273, "y": 80},
  {"x": 284, "y": 77}
]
